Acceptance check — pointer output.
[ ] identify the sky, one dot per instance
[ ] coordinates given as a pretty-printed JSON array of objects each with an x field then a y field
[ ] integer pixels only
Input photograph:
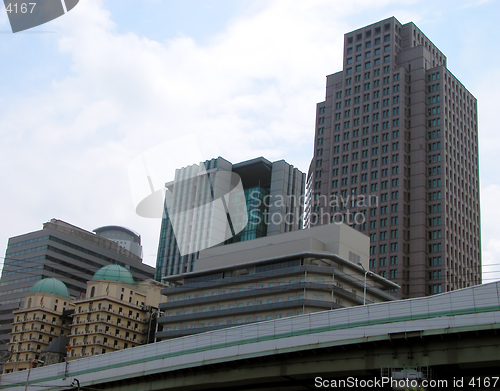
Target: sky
[{"x": 84, "y": 95}]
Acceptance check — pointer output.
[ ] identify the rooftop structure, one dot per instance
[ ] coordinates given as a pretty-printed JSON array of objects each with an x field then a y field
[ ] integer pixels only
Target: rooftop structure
[{"x": 124, "y": 237}]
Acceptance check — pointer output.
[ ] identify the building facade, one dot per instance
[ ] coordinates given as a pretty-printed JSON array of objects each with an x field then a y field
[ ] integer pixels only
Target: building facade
[
  {"x": 62, "y": 251},
  {"x": 396, "y": 157},
  {"x": 115, "y": 314},
  {"x": 44, "y": 317},
  {"x": 285, "y": 275},
  {"x": 257, "y": 197}
]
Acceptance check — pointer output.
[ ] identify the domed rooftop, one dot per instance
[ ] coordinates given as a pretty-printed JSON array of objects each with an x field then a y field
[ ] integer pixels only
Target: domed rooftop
[
  {"x": 50, "y": 285},
  {"x": 114, "y": 273}
]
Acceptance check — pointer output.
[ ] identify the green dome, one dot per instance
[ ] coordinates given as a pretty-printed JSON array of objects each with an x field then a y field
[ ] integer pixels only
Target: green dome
[
  {"x": 50, "y": 285},
  {"x": 114, "y": 273}
]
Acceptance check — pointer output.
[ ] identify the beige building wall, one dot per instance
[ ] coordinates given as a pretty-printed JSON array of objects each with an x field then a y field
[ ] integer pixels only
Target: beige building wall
[
  {"x": 113, "y": 316},
  {"x": 35, "y": 326}
]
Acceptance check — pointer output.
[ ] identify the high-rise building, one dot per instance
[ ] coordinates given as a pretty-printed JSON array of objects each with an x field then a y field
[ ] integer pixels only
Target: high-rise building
[
  {"x": 62, "y": 251},
  {"x": 217, "y": 202},
  {"x": 396, "y": 156}
]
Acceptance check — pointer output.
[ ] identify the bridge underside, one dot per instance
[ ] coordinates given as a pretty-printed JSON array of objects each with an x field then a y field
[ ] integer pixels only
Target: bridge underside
[{"x": 456, "y": 355}]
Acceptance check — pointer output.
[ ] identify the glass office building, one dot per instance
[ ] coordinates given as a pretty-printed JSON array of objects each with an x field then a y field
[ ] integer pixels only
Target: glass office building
[{"x": 217, "y": 203}]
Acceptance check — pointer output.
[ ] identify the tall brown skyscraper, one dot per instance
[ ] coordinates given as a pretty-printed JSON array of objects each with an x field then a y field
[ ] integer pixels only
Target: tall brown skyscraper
[{"x": 396, "y": 156}]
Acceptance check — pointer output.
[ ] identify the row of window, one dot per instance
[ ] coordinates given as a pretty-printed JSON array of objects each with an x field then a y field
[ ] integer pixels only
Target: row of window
[
  {"x": 368, "y": 34},
  {"x": 437, "y": 288},
  {"x": 434, "y": 248},
  {"x": 383, "y": 261},
  {"x": 393, "y": 273},
  {"x": 30, "y": 241},
  {"x": 27, "y": 251},
  {"x": 19, "y": 280},
  {"x": 240, "y": 289},
  {"x": 99, "y": 329},
  {"x": 42, "y": 328},
  {"x": 435, "y": 195},
  {"x": 250, "y": 303},
  {"x": 383, "y": 248},
  {"x": 350, "y": 218},
  {"x": 368, "y": 44},
  {"x": 366, "y": 107},
  {"x": 374, "y": 174},
  {"x": 364, "y": 188},
  {"x": 383, "y": 235},
  {"x": 230, "y": 321},
  {"x": 357, "y": 79},
  {"x": 434, "y": 183},
  {"x": 376, "y": 72},
  {"x": 17, "y": 290},
  {"x": 368, "y": 64},
  {"x": 366, "y": 97},
  {"x": 36, "y": 316},
  {"x": 364, "y": 154},
  {"x": 109, "y": 307},
  {"x": 364, "y": 178}
]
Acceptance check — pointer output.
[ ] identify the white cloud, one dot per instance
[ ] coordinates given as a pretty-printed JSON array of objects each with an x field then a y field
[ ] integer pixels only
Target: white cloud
[
  {"x": 490, "y": 215},
  {"x": 251, "y": 90},
  {"x": 475, "y": 3}
]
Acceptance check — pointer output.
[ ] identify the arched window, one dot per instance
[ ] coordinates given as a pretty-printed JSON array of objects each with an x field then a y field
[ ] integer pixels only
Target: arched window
[
  {"x": 92, "y": 291},
  {"x": 29, "y": 303}
]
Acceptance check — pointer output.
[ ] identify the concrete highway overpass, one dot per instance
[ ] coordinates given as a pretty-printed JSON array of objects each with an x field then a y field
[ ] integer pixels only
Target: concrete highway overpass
[{"x": 455, "y": 334}]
